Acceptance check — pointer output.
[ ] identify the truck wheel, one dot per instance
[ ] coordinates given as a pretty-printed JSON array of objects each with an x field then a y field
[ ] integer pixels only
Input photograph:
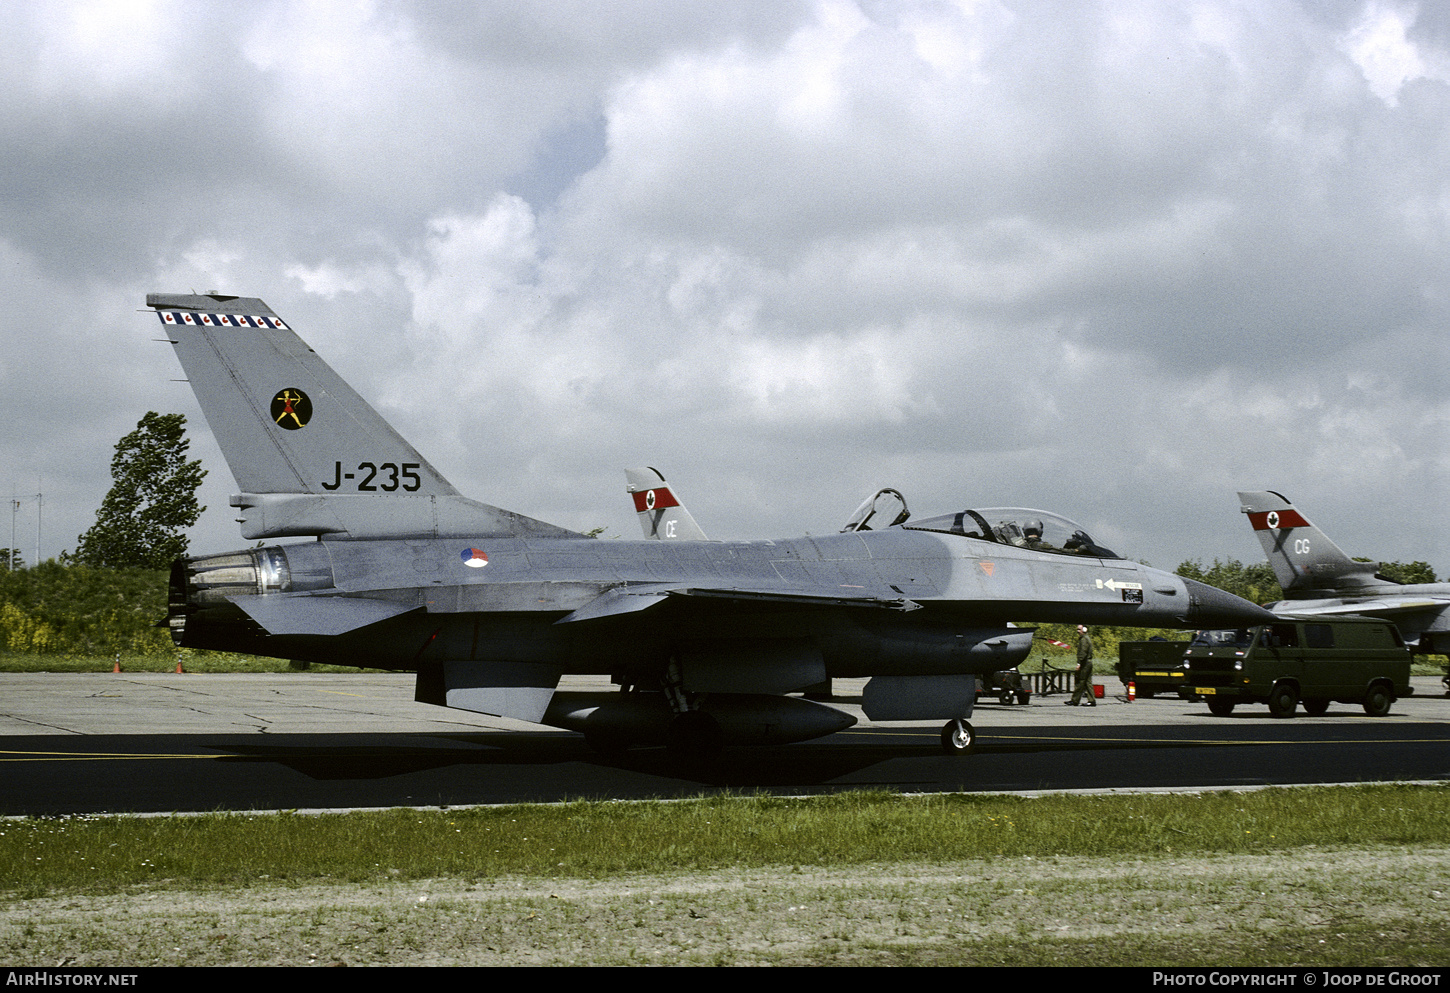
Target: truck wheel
[
  {"x": 1377, "y": 701},
  {"x": 1220, "y": 708},
  {"x": 1283, "y": 700},
  {"x": 1006, "y": 698},
  {"x": 958, "y": 737},
  {"x": 1316, "y": 708}
]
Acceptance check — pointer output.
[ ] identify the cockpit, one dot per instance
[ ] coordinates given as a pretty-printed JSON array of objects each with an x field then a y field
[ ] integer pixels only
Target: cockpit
[{"x": 1020, "y": 527}]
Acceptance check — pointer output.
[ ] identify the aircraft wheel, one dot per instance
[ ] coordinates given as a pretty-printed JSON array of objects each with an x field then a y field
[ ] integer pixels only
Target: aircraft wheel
[
  {"x": 958, "y": 737},
  {"x": 1283, "y": 699},
  {"x": 694, "y": 734},
  {"x": 1377, "y": 701},
  {"x": 1316, "y": 708},
  {"x": 1220, "y": 708}
]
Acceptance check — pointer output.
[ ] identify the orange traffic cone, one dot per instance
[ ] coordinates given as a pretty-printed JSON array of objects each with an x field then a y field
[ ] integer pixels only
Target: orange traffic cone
[
  {"x": 179, "y": 670},
  {"x": 117, "y": 666}
]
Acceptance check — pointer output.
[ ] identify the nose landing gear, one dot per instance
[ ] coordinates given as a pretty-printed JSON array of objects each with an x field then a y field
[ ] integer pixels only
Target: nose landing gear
[{"x": 958, "y": 737}]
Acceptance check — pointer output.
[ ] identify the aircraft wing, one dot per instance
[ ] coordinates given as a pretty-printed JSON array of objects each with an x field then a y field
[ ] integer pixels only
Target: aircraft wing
[
  {"x": 627, "y": 600},
  {"x": 804, "y": 599},
  {"x": 1378, "y": 607}
]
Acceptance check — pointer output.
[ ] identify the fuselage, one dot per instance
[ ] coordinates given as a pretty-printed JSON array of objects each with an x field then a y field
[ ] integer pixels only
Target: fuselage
[{"x": 881, "y": 602}]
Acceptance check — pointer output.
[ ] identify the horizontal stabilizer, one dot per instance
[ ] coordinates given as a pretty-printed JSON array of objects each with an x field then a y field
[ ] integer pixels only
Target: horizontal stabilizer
[{"x": 329, "y": 615}]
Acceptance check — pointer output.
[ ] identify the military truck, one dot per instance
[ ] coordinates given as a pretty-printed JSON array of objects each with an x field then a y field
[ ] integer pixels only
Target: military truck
[
  {"x": 1313, "y": 661},
  {"x": 1152, "y": 667}
]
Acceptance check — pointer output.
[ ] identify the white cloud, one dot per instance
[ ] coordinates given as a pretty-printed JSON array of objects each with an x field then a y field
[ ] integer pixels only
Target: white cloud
[
  {"x": 1379, "y": 45},
  {"x": 1112, "y": 259}
]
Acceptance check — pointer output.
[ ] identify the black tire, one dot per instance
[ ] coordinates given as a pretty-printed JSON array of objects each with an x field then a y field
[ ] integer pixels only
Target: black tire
[
  {"x": 1377, "y": 701},
  {"x": 1006, "y": 698},
  {"x": 1316, "y": 707},
  {"x": 1220, "y": 708},
  {"x": 1283, "y": 699},
  {"x": 958, "y": 737}
]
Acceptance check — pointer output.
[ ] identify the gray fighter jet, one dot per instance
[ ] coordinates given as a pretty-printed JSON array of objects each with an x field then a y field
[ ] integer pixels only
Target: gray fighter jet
[
  {"x": 1318, "y": 578},
  {"x": 706, "y": 639}
]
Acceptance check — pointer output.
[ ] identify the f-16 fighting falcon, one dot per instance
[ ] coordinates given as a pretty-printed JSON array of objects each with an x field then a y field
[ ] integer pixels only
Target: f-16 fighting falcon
[
  {"x": 1318, "y": 578},
  {"x": 706, "y": 640}
]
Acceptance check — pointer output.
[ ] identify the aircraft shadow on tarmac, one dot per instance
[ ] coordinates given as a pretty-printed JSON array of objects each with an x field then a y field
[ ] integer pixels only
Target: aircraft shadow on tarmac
[
  {"x": 48, "y": 774},
  {"x": 809, "y": 764},
  {"x": 805, "y": 764}
]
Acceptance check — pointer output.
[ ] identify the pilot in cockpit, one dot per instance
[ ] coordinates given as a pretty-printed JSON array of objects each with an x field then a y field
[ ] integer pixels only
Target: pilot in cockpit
[{"x": 1032, "y": 537}]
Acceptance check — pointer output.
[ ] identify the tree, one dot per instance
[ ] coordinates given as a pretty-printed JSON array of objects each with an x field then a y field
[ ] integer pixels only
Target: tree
[
  {"x": 10, "y": 559},
  {"x": 152, "y": 499},
  {"x": 1408, "y": 572},
  {"x": 1255, "y": 583}
]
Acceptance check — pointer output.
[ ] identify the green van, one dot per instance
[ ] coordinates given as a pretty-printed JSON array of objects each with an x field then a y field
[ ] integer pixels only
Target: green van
[{"x": 1313, "y": 661}]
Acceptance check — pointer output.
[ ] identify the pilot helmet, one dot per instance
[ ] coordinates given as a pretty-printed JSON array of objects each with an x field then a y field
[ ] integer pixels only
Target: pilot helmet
[{"x": 1032, "y": 529}]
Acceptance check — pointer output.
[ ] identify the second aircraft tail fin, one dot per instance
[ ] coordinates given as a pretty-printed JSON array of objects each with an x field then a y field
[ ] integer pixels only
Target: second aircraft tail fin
[
  {"x": 1304, "y": 560},
  {"x": 661, "y": 515}
]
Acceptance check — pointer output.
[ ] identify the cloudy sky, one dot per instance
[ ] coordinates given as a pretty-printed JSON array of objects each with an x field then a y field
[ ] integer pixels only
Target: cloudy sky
[{"x": 1116, "y": 260}]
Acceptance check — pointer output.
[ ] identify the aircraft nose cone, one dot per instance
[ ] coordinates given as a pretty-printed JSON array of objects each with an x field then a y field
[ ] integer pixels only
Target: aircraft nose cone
[{"x": 1210, "y": 607}]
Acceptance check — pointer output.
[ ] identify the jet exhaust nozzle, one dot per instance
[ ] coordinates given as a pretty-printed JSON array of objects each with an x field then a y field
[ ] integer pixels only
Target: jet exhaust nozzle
[{"x": 201, "y": 589}]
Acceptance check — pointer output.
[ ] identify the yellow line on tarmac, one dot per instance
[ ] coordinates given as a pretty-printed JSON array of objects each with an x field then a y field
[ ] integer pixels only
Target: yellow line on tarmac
[
  {"x": 9, "y": 756},
  {"x": 1140, "y": 741},
  {"x": 992, "y": 737}
]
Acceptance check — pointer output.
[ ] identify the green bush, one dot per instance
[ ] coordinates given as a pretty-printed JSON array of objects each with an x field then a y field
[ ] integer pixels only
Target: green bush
[{"x": 58, "y": 609}]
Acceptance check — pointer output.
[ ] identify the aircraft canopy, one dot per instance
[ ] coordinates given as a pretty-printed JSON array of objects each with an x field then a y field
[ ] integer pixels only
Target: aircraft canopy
[{"x": 1018, "y": 526}]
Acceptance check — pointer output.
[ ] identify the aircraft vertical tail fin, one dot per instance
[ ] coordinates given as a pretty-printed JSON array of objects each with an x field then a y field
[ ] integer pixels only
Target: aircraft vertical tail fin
[
  {"x": 661, "y": 515},
  {"x": 1304, "y": 559},
  {"x": 310, "y": 455}
]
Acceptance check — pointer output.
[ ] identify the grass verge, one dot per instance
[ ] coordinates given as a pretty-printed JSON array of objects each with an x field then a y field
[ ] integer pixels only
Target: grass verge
[
  {"x": 602, "y": 839},
  {"x": 1319, "y": 876}
]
